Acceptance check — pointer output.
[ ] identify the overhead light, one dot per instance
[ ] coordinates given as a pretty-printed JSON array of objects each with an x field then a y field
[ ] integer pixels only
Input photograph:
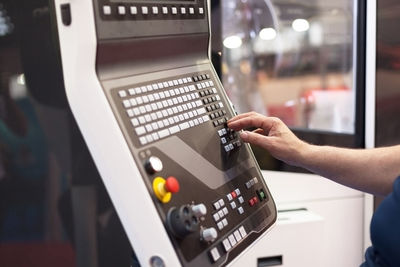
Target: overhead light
[
  {"x": 233, "y": 42},
  {"x": 300, "y": 25},
  {"x": 267, "y": 34}
]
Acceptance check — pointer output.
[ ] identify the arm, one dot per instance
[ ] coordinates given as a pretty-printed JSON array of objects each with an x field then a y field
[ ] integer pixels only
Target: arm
[{"x": 369, "y": 170}]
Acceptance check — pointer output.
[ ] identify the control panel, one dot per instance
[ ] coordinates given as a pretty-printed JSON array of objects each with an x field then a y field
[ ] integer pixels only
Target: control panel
[{"x": 164, "y": 109}]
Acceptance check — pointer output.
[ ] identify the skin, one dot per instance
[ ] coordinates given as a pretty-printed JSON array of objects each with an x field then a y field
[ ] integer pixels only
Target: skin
[{"x": 369, "y": 170}]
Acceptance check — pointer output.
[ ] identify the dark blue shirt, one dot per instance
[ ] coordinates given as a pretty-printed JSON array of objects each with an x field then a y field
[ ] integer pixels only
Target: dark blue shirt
[{"x": 385, "y": 232}]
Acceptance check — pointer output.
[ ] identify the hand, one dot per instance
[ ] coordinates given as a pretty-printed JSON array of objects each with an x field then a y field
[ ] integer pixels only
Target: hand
[{"x": 272, "y": 134}]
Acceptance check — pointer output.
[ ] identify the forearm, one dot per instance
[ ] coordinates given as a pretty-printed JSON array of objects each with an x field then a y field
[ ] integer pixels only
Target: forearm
[{"x": 369, "y": 170}]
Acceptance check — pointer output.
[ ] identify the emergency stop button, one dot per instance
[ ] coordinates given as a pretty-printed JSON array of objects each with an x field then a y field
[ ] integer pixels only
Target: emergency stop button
[{"x": 163, "y": 189}]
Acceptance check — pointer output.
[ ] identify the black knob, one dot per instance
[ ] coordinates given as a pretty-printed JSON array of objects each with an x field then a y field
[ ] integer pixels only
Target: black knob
[{"x": 182, "y": 221}]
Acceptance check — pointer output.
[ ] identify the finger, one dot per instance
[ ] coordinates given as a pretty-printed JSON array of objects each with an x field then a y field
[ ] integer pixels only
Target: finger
[
  {"x": 257, "y": 121},
  {"x": 259, "y": 131},
  {"x": 241, "y": 116},
  {"x": 255, "y": 139}
]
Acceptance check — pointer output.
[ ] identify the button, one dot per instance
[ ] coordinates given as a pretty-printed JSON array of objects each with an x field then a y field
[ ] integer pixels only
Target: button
[
  {"x": 174, "y": 11},
  {"x": 201, "y": 10},
  {"x": 209, "y": 234},
  {"x": 237, "y": 235},
  {"x": 216, "y": 205},
  {"x": 155, "y": 10},
  {"x": 248, "y": 185},
  {"x": 133, "y": 10},
  {"x": 242, "y": 231},
  {"x": 220, "y": 226},
  {"x": 121, "y": 10},
  {"x": 145, "y": 10},
  {"x": 233, "y": 205},
  {"x": 221, "y": 202},
  {"x": 199, "y": 210},
  {"x": 214, "y": 254},
  {"x": 165, "y": 10},
  {"x": 233, "y": 193},
  {"x": 241, "y": 200},
  {"x": 240, "y": 210},
  {"x": 216, "y": 216},
  {"x": 191, "y": 10},
  {"x": 237, "y": 191},
  {"x": 255, "y": 180},
  {"x": 227, "y": 245},
  {"x": 183, "y": 10},
  {"x": 225, "y": 210},
  {"x": 122, "y": 93},
  {"x": 232, "y": 240},
  {"x": 251, "y": 202},
  {"x": 106, "y": 10},
  {"x": 140, "y": 130},
  {"x": 163, "y": 188},
  {"x": 221, "y": 213},
  {"x": 153, "y": 165},
  {"x": 225, "y": 222},
  {"x": 229, "y": 197}
]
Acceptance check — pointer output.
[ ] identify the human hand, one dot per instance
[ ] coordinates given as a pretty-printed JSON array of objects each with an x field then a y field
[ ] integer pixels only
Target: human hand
[{"x": 271, "y": 134}]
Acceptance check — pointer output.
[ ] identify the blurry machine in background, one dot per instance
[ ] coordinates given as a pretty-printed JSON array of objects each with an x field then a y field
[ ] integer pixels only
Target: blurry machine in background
[{"x": 304, "y": 62}]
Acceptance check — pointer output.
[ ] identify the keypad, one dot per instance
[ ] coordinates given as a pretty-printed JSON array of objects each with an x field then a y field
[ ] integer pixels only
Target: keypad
[
  {"x": 144, "y": 11},
  {"x": 159, "y": 109}
]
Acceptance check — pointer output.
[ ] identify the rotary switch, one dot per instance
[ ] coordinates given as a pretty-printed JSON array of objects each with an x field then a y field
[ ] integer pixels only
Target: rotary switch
[
  {"x": 199, "y": 210},
  {"x": 209, "y": 234},
  {"x": 153, "y": 165}
]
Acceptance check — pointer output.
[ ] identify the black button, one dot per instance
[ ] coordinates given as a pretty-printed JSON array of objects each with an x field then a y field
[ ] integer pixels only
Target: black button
[{"x": 66, "y": 14}]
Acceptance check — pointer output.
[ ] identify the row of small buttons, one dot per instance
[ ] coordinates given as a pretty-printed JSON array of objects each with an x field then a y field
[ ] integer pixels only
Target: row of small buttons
[
  {"x": 251, "y": 182},
  {"x": 154, "y": 10},
  {"x": 221, "y": 211},
  {"x": 229, "y": 243}
]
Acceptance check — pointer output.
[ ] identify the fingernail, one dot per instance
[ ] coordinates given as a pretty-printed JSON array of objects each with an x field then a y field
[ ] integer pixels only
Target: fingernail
[{"x": 244, "y": 135}]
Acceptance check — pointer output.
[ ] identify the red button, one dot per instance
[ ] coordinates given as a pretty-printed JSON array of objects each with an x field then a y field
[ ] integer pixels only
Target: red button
[
  {"x": 172, "y": 185},
  {"x": 251, "y": 202},
  {"x": 255, "y": 200},
  {"x": 233, "y": 193}
]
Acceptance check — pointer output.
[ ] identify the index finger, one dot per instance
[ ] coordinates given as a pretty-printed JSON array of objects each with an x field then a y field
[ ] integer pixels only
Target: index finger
[{"x": 252, "y": 120}]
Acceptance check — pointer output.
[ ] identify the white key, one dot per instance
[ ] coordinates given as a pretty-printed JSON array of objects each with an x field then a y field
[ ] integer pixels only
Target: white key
[
  {"x": 201, "y": 120},
  {"x": 191, "y": 87},
  {"x": 151, "y": 98},
  {"x": 164, "y": 103},
  {"x": 159, "y": 114},
  {"x": 156, "y": 96},
  {"x": 185, "y": 80},
  {"x": 221, "y": 105},
  {"x": 133, "y": 102},
  {"x": 184, "y": 98},
  {"x": 148, "y": 108},
  {"x": 142, "y": 120},
  {"x": 180, "y": 109},
  {"x": 165, "y": 10},
  {"x": 184, "y": 126},
  {"x": 159, "y": 105},
  {"x": 167, "y": 94},
  {"x": 160, "y": 85},
  {"x": 227, "y": 245},
  {"x": 170, "y": 111},
  {"x": 155, "y": 136},
  {"x": 163, "y": 133},
  {"x": 164, "y": 113},
  {"x": 174, "y": 129},
  {"x": 145, "y": 99},
  {"x": 162, "y": 95},
  {"x": 131, "y": 91},
  {"x": 237, "y": 235},
  {"x": 172, "y": 92},
  {"x": 142, "y": 109},
  {"x": 144, "y": 89},
  {"x": 186, "y": 116},
  {"x": 214, "y": 90},
  {"x": 145, "y": 10},
  {"x": 189, "y": 97},
  {"x": 191, "y": 123},
  {"x": 242, "y": 231},
  {"x": 160, "y": 124},
  {"x": 127, "y": 103},
  {"x": 171, "y": 120},
  {"x": 106, "y": 10},
  {"x": 184, "y": 106},
  {"x": 155, "y": 10},
  {"x": 177, "y": 92},
  {"x": 140, "y": 130},
  {"x": 232, "y": 240},
  {"x": 135, "y": 122},
  {"x": 206, "y": 118},
  {"x": 198, "y": 103},
  {"x": 189, "y": 79},
  {"x": 153, "y": 116},
  {"x": 136, "y": 111},
  {"x": 154, "y": 106},
  {"x": 139, "y": 100},
  {"x": 122, "y": 93},
  {"x": 147, "y": 118},
  {"x": 181, "y": 118},
  {"x": 170, "y": 83},
  {"x": 175, "y": 110},
  {"x": 175, "y": 101},
  {"x": 180, "y": 81},
  {"x": 134, "y": 10},
  {"x": 190, "y": 114},
  {"x": 182, "y": 90},
  {"x": 189, "y": 105},
  {"x": 196, "y": 122},
  {"x": 149, "y": 88},
  {"x": 201, "y": 111},
  {"x": 121, "y": 10},
  {"x": 218, "y": 98},
  {"x": 149, "y": 128},
  {"x": 211, "y": 83},
  {"x": 165, "y": 84},
  {"x": 176, "y": 119},
  {"x": 175, "y": 82},
  {"x": 130, "y": 112},
  {"x": 194, "y": 112},
  {"x": 166, "y": 122},
  {"x": 149, "y": 138},
  {"x": 201, "y": 10},
  {"x": 225, "y": 222},
  {"x": 154, "y": 125}
]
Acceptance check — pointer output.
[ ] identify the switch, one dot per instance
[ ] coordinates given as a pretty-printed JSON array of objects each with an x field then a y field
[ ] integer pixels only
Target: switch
[
  {"x": 209, "y": 234},
  {"x": 199, "y": 210},
  {"x": 163, "y": 189},
  {"x": 153, "y": 165}
]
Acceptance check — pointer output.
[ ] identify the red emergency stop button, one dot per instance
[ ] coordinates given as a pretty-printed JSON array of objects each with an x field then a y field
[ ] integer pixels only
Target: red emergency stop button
[{"x": 172, "y": 185}]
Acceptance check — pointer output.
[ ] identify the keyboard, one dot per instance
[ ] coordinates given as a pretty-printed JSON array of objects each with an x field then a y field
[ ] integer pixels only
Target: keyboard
[{"x": 162, "y": 108}]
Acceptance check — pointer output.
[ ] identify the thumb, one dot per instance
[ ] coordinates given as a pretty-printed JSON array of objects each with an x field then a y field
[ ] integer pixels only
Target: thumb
[{"x": 254, "y": 138}]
